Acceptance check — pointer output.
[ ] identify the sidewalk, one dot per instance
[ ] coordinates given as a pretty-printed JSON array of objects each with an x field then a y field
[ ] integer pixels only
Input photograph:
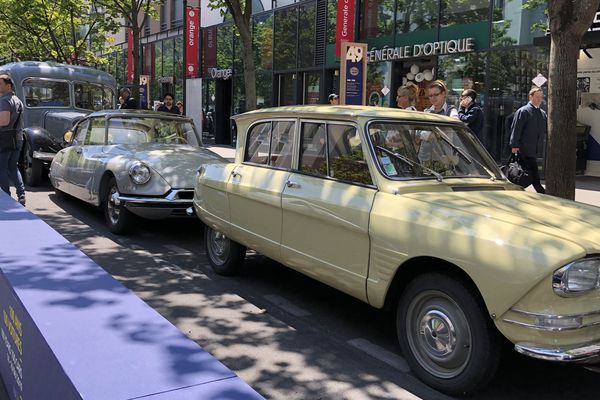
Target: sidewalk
[{"x": 587, "y": 188}]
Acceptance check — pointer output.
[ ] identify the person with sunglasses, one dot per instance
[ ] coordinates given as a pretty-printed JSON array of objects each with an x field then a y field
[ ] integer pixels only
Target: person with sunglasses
[{"x": 436, "y": 91}]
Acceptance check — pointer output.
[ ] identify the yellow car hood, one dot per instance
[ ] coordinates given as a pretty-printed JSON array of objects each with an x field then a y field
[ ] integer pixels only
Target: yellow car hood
[{"x": 565, "y": 219}]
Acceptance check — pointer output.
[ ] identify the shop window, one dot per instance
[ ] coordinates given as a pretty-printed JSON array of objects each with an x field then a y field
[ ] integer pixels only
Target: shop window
[
  {"x": 312, "y": 84},
  {"x": 509, "y": 80},
  {"x": 377, "y": 18},
  {"x": 416, "y": 15},
  {"x": 513, "y": 25},
  {"x": 224, "y": 46},
  {"x": 262, "y": 41},
  {"x": 379, "y": 80},
  {"x": 176, "y": 13},
  {"x": 264, "y": 89},
  {"x": 286, "y": 33},
  {"x": 167, "y": 58},
  {"x": 460, "y": 12},
  {"x": 331, "y": 21},
  {"x": 306, "y": 19}
]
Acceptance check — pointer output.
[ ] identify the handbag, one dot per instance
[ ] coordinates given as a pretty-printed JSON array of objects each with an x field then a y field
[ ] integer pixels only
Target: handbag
[{"x": 515, "y": 172}]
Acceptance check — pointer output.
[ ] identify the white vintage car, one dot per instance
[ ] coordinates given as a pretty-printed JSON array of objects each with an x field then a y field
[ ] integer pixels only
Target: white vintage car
[
  {"x": 131, "y": 163},
  {"x": 407, "y": 210}
]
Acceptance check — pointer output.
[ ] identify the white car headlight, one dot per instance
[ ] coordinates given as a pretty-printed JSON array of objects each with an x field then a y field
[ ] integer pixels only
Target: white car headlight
[
  {"x": 139, "y": 173},
  {"x": 577, "y": 277}
]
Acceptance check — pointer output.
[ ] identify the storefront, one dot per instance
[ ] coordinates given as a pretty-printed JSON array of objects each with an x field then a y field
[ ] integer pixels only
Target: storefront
[{"x": 409, "y": 40}]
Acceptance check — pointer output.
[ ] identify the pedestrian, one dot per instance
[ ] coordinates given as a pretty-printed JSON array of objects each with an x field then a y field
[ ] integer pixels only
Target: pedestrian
[
  {"x": 180, "y": 107},
  {"x": 168, "y": 105},
  {"x": 334, "y": 99},
  {"x": 529, "y": 125},
  {"x": 406, "y": 96},
  {"x": 471, "y": 113},
  {"x": 128, "y": 102},
  {"x": 11, "y": 138},
  {"x": 436, "y": 91}
]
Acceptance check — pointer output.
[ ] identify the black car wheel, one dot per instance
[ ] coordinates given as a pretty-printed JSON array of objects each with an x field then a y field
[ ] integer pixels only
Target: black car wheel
[
  {"x": 225, "y": 255},
  {"x": 445, "y": 334},
  {"x": 118, "y": 218},
  {"x": 33, "y": 169}
]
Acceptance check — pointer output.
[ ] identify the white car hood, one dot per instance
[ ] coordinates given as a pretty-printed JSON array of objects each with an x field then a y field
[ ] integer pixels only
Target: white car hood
[{"x": 176, "y": 164}]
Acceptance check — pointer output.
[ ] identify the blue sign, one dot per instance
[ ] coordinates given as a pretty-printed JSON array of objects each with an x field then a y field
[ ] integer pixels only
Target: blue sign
[{"x": 354, "y": 73}]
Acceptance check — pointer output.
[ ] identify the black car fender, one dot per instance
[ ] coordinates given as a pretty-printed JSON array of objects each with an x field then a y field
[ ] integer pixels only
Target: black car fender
[{"x": 39, "y": 139}]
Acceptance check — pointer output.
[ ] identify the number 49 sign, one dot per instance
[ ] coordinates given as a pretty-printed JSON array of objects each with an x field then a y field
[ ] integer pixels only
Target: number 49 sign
[{"x": 353, "y": 73}]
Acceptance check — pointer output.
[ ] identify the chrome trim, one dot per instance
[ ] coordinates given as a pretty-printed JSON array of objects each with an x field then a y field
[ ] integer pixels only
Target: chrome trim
[
  {"x": 169, "y": 199},
  {"x": 583, "y": 353},
  {"x": 533, "y": 314},
  {"x": 549, "y": 328},
  {"x": 190, "y": 211},
  {"x": 43, "y": 155}
]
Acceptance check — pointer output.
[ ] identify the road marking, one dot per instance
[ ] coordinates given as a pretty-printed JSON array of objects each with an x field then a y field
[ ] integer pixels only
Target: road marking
[
  {"x": 286, "y": 305},
  {"x": 380, "y": 353}
]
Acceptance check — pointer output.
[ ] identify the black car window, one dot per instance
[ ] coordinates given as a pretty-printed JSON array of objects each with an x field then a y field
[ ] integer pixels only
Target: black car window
[{"x": 46, "y": 93}]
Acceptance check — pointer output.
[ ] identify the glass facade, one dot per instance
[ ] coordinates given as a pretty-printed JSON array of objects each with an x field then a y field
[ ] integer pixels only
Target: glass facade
[{"x": 295, "y": 61}]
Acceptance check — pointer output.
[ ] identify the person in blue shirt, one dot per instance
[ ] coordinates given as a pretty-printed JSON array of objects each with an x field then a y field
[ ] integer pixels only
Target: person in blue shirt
[{"x": 529, "y": 125}]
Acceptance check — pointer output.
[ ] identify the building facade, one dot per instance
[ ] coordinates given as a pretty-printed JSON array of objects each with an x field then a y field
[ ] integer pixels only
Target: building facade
[{"x": 495, "y": 47}]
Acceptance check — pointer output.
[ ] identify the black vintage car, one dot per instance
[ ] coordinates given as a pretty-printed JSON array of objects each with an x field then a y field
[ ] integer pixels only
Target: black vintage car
[{"x": 55, "y": 97}]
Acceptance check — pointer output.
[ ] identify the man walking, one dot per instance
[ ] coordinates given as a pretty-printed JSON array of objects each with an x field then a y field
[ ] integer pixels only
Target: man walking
[
  {"x": 12, "y": 139},
  {"x": 167, "y": 105},
  {"x": 529, "y": 125}
]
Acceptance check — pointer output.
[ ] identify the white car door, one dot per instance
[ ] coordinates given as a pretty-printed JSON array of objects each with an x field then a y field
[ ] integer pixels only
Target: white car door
[{"x": 89, "y": 157}]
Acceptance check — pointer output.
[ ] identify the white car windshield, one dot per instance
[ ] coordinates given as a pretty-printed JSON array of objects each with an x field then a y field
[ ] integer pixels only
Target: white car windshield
[
  {"x": 405, "y": 150},
  {"x": 140, "y": 130}
]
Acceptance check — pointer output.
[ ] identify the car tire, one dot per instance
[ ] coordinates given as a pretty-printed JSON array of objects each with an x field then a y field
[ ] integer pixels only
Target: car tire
[
  {"x": 225, "y": 256},
  {"x": 118, "y": 218},
  {"x": 33, "y": 169},
  {"x": 445, "y": 334}
]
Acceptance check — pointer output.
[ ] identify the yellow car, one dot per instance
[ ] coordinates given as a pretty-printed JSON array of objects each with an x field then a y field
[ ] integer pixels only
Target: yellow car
[{"x": 407, "y": 210}]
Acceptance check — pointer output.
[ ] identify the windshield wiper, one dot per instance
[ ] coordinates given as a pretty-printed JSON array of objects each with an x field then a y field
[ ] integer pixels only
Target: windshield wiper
[
  {"x": 410, "y": 162},
  {"x": 464, "y": 155}
]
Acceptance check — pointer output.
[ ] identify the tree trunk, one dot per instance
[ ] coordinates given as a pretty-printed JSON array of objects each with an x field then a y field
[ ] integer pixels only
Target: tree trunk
[
  {"x": 562, "y": 118},
  {"x": 568, "y": 21}
]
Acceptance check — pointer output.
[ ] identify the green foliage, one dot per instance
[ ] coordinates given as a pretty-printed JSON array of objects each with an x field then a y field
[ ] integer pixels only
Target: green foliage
[{"x": 53, "y": 30}]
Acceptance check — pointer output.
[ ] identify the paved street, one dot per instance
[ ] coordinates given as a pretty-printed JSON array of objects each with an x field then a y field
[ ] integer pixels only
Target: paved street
[{"x": 286, "y": 335}]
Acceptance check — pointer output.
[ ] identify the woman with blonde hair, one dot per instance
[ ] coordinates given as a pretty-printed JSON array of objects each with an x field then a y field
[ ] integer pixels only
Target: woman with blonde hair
[{"x": 407, "y": 96}]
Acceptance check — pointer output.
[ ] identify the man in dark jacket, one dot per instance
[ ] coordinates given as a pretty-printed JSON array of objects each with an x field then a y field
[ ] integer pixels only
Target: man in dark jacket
[
  {"x": 168, "y": 105},
  {"x": 128, "y": 101},
  {"x": 529, "y": 125},
  {"x": 471, "y": 113}
]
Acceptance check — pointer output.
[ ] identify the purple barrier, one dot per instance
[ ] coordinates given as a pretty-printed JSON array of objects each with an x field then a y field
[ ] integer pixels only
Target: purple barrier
[{"x": 68, "y": 330}]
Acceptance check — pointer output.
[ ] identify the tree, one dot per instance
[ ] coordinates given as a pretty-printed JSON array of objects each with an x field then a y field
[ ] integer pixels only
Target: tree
[
  {"x": 241, "y": 11},
  {"x": 568, "y": 21},
  {"x": 132, "y": 12},
  {"x": 62, "y": 31}
]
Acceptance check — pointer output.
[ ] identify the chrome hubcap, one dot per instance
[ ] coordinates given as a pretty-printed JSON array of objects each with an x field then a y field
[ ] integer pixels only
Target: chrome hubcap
[
  {"x": 113, "y": 205},
  {"x": 438, "y": 334},
  {"x": 218, "y": 248}
]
